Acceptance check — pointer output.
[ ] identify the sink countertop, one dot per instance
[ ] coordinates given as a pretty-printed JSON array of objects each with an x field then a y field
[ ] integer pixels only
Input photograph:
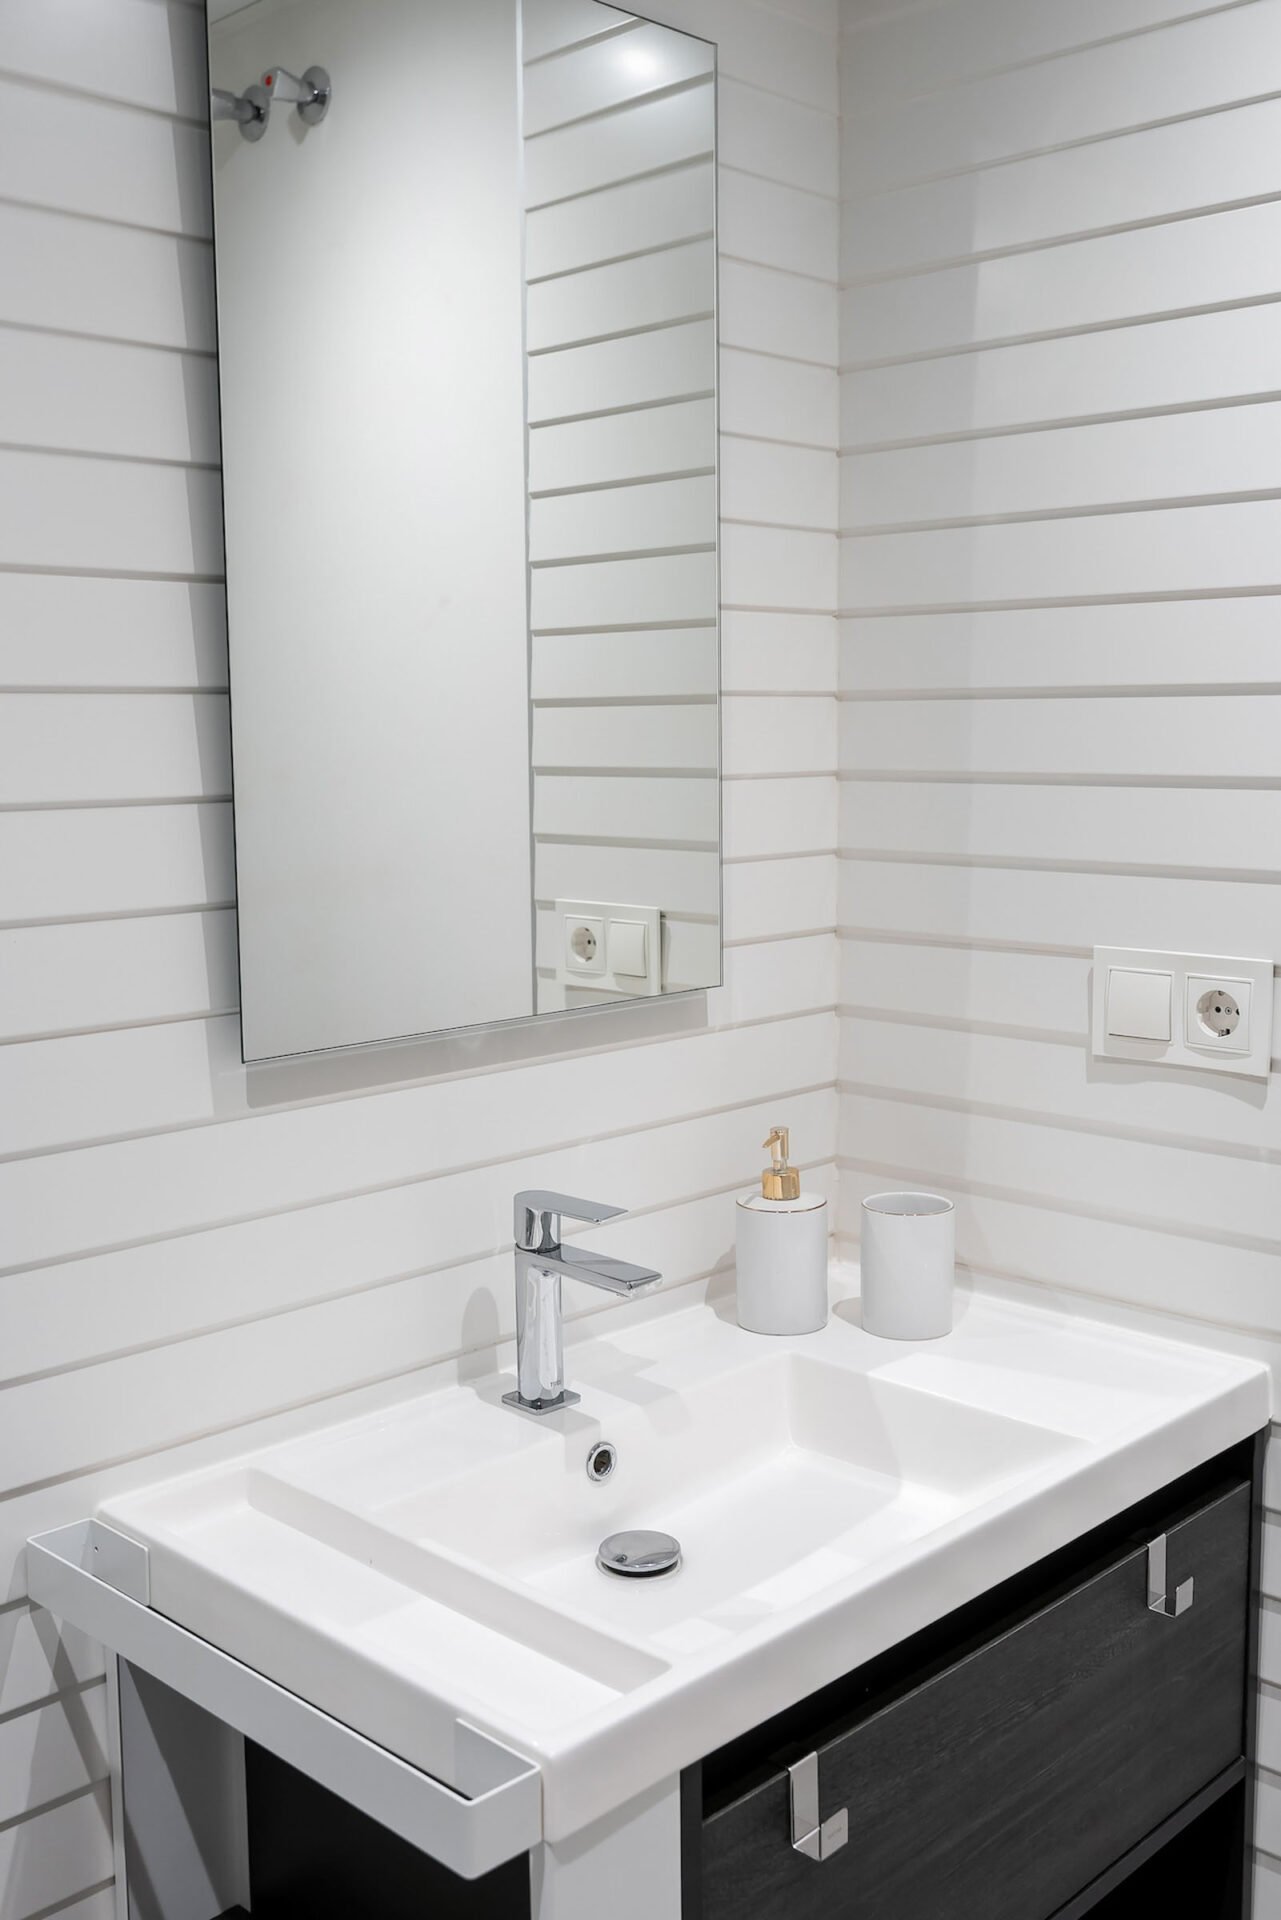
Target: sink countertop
[{"x": 833, "y": 1493}]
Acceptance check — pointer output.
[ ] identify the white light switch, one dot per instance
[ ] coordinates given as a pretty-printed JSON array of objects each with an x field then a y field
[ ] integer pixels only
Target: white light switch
[
  {"x": 1139, "y": 1004},
  {"x": 629, "y": 947}
]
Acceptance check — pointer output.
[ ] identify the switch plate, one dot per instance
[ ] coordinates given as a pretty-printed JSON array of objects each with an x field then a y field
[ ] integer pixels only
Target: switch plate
[
  {"x": 627, "y": 962},
  {"x": 1245, "y": 1049},
  {"x": 1139, "y": 1001}
]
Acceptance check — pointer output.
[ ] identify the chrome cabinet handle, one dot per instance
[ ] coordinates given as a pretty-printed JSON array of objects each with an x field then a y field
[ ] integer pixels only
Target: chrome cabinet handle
[
  {"x": 816, "y": 1840},
  {"x": 1159, "y": 1600}
]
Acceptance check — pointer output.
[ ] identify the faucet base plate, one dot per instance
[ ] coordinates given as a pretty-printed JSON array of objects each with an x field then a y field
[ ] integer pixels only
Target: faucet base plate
[{"x": 563, "y": 1399}]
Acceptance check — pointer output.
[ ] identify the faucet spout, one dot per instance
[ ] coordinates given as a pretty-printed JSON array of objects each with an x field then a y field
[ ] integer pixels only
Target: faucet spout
[{"x": 541, "y": 1262}]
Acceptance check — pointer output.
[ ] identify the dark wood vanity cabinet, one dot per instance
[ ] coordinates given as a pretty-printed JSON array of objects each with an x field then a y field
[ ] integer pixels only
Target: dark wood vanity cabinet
[
  {"x": 1028, "y": 1758},
  {"x": 1057, "y": 1748}
]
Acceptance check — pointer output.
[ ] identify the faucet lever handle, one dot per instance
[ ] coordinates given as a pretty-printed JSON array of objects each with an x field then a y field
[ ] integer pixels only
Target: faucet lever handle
[{"x": 537, "y": 1217}]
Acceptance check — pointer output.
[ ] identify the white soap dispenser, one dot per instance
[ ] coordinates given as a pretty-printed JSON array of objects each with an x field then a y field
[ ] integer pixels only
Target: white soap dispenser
[{"x": 782, "y": 1251}]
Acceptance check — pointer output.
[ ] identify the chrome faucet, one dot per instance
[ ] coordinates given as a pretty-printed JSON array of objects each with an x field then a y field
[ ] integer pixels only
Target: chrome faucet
[{"x": 540, "y": 1262}]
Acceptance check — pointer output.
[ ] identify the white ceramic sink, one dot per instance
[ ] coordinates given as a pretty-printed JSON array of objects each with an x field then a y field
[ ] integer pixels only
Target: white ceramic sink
[
  {"x": 831, "y": 1494},
  {"x": 780, "y": 1479}
]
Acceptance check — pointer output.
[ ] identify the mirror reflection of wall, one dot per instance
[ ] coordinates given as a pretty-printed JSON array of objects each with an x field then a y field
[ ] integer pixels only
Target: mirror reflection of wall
[
  {"x": 621, "y": 263},
  {"x": 474, "y": 778}
]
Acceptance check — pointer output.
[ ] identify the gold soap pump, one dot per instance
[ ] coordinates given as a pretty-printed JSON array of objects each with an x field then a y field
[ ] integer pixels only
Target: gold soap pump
[
  {"x": 779, "y": 1181},
  {"x": 782, "y": 1249}
]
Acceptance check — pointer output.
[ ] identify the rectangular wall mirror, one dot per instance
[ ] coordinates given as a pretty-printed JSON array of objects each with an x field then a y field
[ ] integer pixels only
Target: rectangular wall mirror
[{"x": 466, "y": 271}]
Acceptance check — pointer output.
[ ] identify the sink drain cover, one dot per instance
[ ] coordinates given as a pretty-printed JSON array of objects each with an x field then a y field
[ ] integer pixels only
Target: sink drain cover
[{"x": 639, "y": 1555}]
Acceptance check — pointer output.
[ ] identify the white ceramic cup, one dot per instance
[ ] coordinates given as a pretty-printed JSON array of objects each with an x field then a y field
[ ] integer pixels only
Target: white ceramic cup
[{"x": 908, "y": 1265}]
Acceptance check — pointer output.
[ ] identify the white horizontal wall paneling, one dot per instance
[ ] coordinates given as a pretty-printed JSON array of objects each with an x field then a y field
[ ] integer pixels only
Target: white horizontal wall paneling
[
  {"x": 193, "y": 1260},
  {"x": 1058, "y": 667}
]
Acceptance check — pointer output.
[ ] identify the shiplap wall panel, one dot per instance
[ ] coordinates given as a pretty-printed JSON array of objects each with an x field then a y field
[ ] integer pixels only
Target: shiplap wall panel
[
  {"x": 37, "y": 1661},
  {"x": 590, "y": 79},
  {"x": 783, "y": 140},
  {"x": 103, "y": 161},
  {"x": 53, "y": 1751},
  {"x": 90, "y": 396},
  {"x": 621, "y": 446},
  {"x": 1070, "y": 422},
  {"x": 106, "y": 281},
  {"x": 914, "y": 49},
  {"x": 148, "y": 1297},
  {"x": 1180, "y": 550},
  {"x": 770, "y": 310},
  {"x": 89, "y": 863},
  {"x": 175, "y": 1181},
  {"x": 1230, "y": 831},
  {"x": 1195, "y": 361},
  {"x": 1225, "y": 451},
  {"x": 142, "y": 53},
  {"x": 1127, "y": 648},
  {"x": 764, "y": 898},
  {"x": 555, "y": 24},
  {"x": 1038, "y": 1077},
  {"x": 672, "y": 284},
  {"x": 112, "y": 973},
  {"x": 1209, "y": 260},
  {"x": 776, "y": 736},
  {"x": 108, "y": 517},
  {"x": 657, "y": 211},
  {"x": 87, "y": 1309},
  {"x": 73, "y": 748},
  {"x": 781, "y": 54},
  {"x": 1168, "y": 738},
  {"x": 598, "y": 153},
  {"x": 665, "y": 662},
  {"x": 659, "y": 516},
  {"x": 49, "y": 1859},
  {"x": 1203, "y": 62},
  {"x": 778, "y": 226},
  {"x": 673, "y": 811},
  {"x": 620, "y": 739},
  {"x": 792, "y": 653},
  {"x": 685, "y": 881},
  {"x": 783, "y": 485},
  {"x": 666, "y": 589},
  {"x": 637, "y": 370},
  {"x": 766, "y": 567},
  {"x": 764, "y": 819},
  {"x": 59, "y": 630},
  {"x": 1056, "y": 907},
  {"x": 1161, "y": 173},
  {"x": 1112, "y": 1174},
  {"x": 778, "y": 400}
]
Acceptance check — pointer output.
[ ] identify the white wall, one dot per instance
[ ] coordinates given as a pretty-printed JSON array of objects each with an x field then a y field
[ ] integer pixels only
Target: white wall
[
  {"x": 189, "y": 1253},
  {"x": 1060, "y": 679}
]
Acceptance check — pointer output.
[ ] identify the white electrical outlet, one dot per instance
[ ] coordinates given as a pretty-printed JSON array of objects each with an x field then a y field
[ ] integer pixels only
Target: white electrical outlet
[
  {"x": 1183, "y": 1010},
  {"x": 614, "y": 951},
  {"x": 1218, "y": 1013}
]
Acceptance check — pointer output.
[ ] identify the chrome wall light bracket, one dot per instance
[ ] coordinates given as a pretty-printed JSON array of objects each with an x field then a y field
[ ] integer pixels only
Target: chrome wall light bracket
[
  {"x": 310, "y": 93},
  {"x": 251, "y": 109}
]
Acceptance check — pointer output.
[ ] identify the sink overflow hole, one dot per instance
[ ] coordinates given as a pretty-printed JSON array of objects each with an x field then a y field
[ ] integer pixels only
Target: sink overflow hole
[{"x": 601, "y": 1461}]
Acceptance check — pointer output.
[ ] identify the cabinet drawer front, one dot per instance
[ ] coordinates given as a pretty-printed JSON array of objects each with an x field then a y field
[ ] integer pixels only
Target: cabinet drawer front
[{"x": 1005, "y": 1783}]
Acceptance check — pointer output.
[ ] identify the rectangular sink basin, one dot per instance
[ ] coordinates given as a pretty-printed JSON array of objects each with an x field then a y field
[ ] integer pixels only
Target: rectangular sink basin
[
  {"x": 432, "y": 1561},
  {"x": 778, "y": 1480}
]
